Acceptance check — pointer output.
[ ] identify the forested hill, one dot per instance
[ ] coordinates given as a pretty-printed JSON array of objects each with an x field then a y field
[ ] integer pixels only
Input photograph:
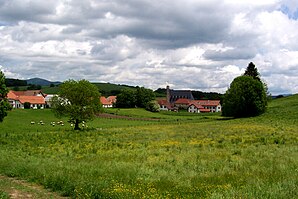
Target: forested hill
[
  {"x": 10, "y": 82},
  {"x": 106, "y": 89}
]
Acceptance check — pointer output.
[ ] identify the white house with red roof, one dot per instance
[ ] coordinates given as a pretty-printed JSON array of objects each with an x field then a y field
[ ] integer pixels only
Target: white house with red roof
[
  {"x": 108, "y": 102},
  {"x": 17, "y": 99},
  {"x": 197, "y": 108},
  {"x": 212, "y": 105}
]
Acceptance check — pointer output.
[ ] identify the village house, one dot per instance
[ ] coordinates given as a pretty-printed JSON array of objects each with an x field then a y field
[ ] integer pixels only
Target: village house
[
  {"x": 204, "y": 106},
  {"x": 35, "y": 98},
  {"x": 108, "y": 102}
]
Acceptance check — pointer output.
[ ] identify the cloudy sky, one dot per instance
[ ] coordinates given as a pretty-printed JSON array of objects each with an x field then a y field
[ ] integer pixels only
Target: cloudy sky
[{"x": 189, "y": 44}]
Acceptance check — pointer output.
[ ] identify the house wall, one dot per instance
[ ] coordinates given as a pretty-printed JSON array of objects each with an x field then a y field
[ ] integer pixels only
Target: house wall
[
  {"x": 35, "y": 106},
  {"x": 193, "y": 109},
  {"x": 163, "y": 108}
]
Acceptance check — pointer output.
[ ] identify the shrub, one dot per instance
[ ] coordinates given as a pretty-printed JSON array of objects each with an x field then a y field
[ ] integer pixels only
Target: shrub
[
  {"x": 152, "y": 106},
  {"x": 246, "y": 97},
  {"x": 27, "y": 105}
]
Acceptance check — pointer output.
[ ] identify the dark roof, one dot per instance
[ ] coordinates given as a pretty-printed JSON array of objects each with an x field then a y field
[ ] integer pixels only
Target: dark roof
[{"x": 177, "y": 94}]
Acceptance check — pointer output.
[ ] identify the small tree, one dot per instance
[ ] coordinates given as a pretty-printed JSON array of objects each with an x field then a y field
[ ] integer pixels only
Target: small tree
[
  {"x": 152, "y": 106},
  {"x": 78, "y": 100},
  {"x": 4, "y": 104}
]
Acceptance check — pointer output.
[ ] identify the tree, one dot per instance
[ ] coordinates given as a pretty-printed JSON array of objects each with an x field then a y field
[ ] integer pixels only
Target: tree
[
  {"x": 143, "y": 96},
  {"x": 78, "y": 100},
  {"x": 129, "y": 98},
  {"x": 246, "y": 97},
  {"x": 252, "y": 71},
  {"x": 126, "y": 99},
  {"x": 4, "y": 104}
]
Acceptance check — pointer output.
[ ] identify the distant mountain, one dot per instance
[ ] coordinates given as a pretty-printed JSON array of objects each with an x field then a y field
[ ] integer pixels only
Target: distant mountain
[{"x": 42, "y": 82}]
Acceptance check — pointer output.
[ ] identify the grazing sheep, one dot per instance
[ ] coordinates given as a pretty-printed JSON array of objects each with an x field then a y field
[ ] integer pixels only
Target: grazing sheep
[{"x": 32, "y": 122}]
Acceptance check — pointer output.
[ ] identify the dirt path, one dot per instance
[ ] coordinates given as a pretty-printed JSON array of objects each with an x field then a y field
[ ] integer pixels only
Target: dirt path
[{"x": 20, "y": 189}]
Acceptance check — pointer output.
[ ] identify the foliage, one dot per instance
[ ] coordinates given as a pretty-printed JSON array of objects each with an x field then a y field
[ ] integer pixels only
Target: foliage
[
  {"x": 34, "y": 87},
  {"x": 126, "y": 99},
  {"x": 252, "y": 71},
  {"x": 139, "y": 97},
  {"x": 246, "y": 97},
  {"x": 15, "y": 82},
  {"x": 27, "y": 105},
  {"x": 3, "y": 195},
  {"x": 79, "y": 100},
  {"x": 4, "y": 104},
  {"x": 143, "y": 96},
  {"x": 152, "y": 106},
  {"x": 108, "y": 89}
]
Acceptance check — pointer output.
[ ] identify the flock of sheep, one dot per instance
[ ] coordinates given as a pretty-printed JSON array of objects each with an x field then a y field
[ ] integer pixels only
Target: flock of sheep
[{"x": 61, "y": 123}]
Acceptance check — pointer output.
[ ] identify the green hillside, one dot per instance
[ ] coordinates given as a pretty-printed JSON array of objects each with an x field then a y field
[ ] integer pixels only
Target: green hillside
[{"x": 157, "y": 155}]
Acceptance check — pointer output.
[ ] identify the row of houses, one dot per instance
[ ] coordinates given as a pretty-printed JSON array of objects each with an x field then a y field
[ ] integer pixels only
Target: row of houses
[
  {"x": 38, "y": 100},
  {"x": 183, "y": 99},
  {"x": 176, "y": 99}
]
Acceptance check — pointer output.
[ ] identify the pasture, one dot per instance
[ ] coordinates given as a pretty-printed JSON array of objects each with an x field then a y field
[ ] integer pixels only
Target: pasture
[{"x": 157, "y": 155}]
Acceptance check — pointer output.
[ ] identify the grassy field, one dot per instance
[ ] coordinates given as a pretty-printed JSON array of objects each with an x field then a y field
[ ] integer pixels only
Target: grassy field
[{"x": 173, "y": 155}]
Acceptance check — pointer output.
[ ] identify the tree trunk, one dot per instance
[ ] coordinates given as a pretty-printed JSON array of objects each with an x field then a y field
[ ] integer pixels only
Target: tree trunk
[{"x": 77, "y": 125}]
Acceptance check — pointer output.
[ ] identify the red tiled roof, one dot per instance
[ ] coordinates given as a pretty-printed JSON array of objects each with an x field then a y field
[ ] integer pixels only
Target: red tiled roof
[
  {"x": 182, "y": 101},
  {"x": 27, "y": 93},
  {"x": 208, "y": 102},
  {"x": 105, "y": 101},
  {"x": 165, "y": 103},
  {"x": 32, "y": 99},
  {"x": 198, "y": 106},
  {"x": 12, "y": 95},
  {"x": 112, "y": 99}
]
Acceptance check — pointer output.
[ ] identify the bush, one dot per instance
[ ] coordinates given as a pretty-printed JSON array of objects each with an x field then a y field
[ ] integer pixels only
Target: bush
[
  {"x": 152, "y": 106},
  {"x": 27, "y": 105},
  {"x": 246, "y": 97}
]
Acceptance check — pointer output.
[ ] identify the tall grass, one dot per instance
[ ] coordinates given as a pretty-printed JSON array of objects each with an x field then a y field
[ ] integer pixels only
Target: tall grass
[{"x": 199, "y": 157}]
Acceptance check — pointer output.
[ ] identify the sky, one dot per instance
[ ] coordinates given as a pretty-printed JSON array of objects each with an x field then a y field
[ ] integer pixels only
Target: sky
[{"x": 187, "y": 44}]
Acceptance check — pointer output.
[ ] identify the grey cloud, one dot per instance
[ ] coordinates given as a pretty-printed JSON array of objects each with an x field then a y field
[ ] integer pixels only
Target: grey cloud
[
  {"x": 18, "y": 10},
  {"x": 233, "y": 54}
]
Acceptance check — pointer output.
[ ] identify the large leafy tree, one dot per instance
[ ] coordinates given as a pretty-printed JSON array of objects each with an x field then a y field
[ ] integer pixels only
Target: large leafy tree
[
  {"x": 4, "y": 105},
  {"x": 246, "y": 97},
  {"x": 129, "y": 98},
  {"x": 126, "y": 99},
  {"x": 78, "y": 100}
]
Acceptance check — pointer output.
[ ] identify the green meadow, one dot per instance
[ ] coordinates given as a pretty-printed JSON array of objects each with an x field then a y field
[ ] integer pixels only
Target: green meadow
[{"x": 156, "y": 155}]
